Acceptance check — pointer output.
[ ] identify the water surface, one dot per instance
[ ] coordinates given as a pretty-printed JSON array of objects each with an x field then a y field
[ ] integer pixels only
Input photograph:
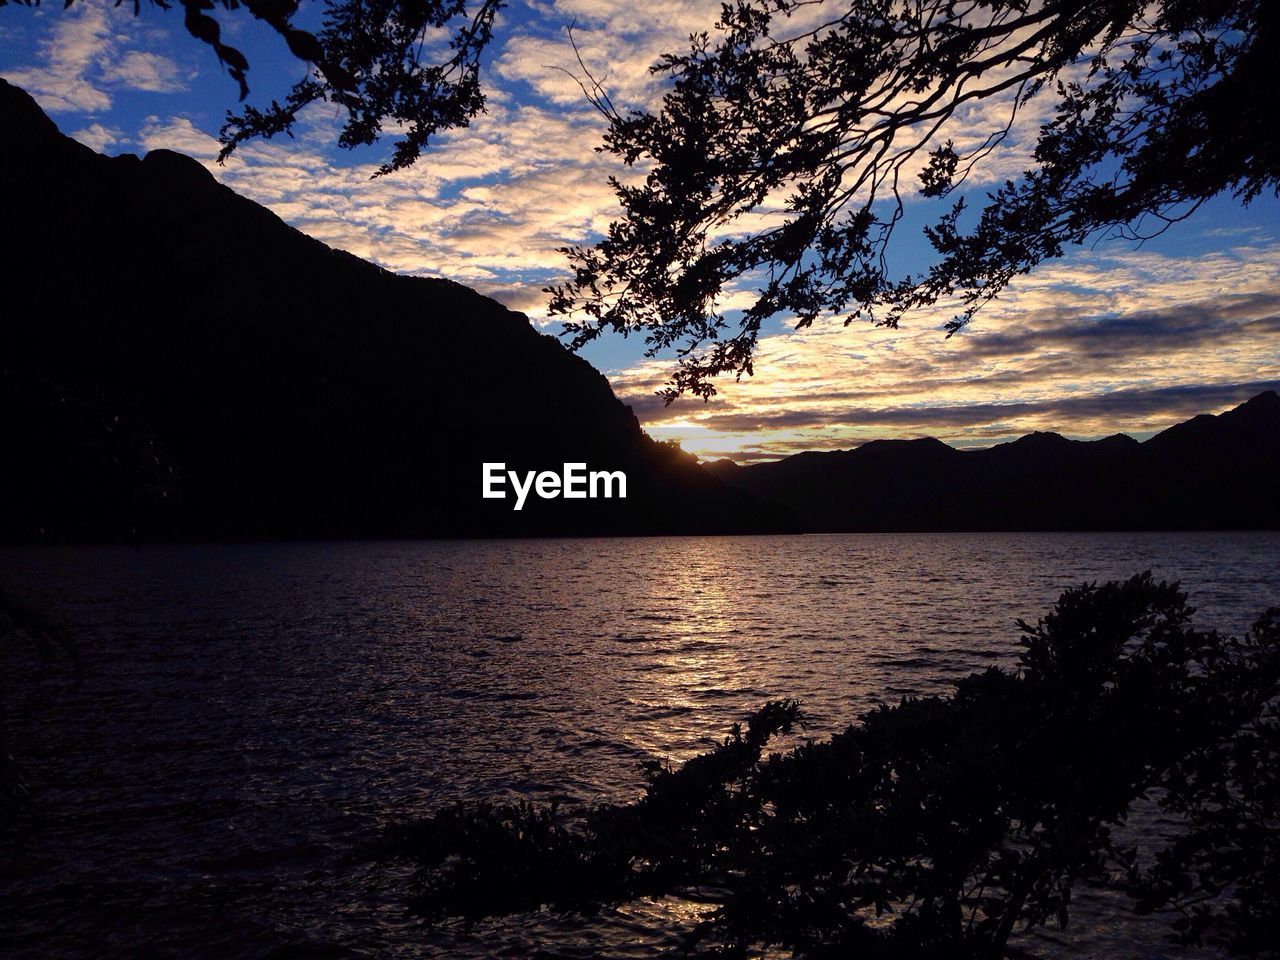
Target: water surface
[{"x": 249, "y": 714}]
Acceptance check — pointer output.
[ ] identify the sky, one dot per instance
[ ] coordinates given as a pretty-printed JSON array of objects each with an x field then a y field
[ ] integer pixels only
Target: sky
[{"x": 1114, "y": 337}]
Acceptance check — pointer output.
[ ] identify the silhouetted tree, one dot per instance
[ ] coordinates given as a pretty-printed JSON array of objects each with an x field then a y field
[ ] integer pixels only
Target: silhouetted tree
[
  {"x": 782, "y": 154},
  {"x": 1229, "y": 793},
  {"x": 936, "y": 827},
  {"x": 415, "y": 63}
]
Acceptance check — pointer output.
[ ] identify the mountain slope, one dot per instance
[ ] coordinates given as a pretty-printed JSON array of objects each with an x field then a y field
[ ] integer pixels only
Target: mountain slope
[
  {"x": 1211, "y": 472},
  {"x": 178, "y": 361}
]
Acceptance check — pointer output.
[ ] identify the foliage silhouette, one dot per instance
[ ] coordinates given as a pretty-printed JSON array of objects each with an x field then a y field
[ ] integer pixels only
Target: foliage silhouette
[
  {"x": 939, "y": 826},
  {"x": 781, "y": 156},
  {"x": 368, "y": 58}
]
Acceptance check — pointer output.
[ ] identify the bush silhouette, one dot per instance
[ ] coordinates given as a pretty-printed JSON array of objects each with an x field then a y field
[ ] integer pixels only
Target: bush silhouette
[{"x": 936, "y": 827}]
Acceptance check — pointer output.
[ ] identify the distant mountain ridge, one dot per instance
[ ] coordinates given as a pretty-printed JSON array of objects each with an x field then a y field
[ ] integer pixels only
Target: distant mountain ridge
[
  {"x": 1210, "y": 472},
  {"x": 179, "y": 362}
]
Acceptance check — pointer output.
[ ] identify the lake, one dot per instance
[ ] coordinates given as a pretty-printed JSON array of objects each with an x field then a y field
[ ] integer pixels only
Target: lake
[{"x": 248, "y": 715}]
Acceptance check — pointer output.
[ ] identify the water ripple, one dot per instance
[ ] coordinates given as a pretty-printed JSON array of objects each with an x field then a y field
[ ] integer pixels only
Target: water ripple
[{"x": 250, "y": 714}]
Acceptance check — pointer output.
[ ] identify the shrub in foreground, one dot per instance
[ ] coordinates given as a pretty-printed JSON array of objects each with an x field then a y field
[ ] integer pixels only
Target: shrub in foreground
[{"x": 936, "y": 827}]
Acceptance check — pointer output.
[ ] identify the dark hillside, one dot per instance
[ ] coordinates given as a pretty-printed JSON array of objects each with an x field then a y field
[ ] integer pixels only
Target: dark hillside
[{"x": 167, "y": 340}]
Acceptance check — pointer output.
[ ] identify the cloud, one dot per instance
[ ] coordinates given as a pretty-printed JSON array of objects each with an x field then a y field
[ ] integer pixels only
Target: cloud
[
  {"x": 490, "y": 205},
  {"x": 1089, "y": 345},
  {"x": 71, "y": 53},
  {"x": 1093, "y": 343},
  {"x": 1165, "y": 404},
  {"x": 97, "y": 137},
  {"x": 139, "y": 70},
  {"x": 85, "y": 57},
  {"x": 180, "y": 134},
  {"x": 1107, "y": 338}
]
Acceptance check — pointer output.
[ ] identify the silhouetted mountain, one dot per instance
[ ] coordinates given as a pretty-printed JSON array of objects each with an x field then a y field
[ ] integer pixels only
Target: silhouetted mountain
[
  {"x": 1218, "y": 472},
  {"x": 179, "y": 361}
]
